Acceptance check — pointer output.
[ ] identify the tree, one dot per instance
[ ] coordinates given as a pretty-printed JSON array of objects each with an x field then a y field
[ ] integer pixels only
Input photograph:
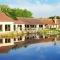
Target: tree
[
  {"x": 16, "y": 12},
  {"x": 52, "y": 17}
]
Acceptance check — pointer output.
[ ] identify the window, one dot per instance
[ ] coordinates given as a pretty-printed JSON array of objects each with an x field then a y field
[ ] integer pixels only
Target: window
[
  {"x": 7, "y": 27},
  {"x": 27, "y": 38},
  {"x": 14, "y": 39},
  {"x": 35, "y": 26},
  {"x": 0, "y": 27},
  {"x": 1, "y": 41},
  {"x": 7, "y": 40},
  {"x": 40, "y": 25},
  {"x": 32, "y": 26},
  {"x": 20, "y": 38},
  {"x": 26, "y": 26},
  {"x": 40, "y": 36},
  {"x": 20, "y": 26}
]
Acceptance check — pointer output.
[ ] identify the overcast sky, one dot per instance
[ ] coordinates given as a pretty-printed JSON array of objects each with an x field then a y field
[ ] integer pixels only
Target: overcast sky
[{"x": 39, "y": 8}]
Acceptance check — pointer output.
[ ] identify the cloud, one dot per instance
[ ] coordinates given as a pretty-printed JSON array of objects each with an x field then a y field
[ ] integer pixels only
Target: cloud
[
  {"x": 44, "y": 45},
  {"x": 36, "y": 7}
]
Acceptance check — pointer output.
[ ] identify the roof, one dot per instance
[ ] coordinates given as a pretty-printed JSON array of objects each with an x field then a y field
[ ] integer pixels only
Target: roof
[
  {"x": 47, "y": 21},
  {"x": 58, "y": 21},
  {"x": 5, "y": 49},
  {"x": 31, "y": 21},
  {"x": 28, "y": 21},
  {"x": 34, "y": 21},
  {"x": 5, "y": 18},
  {"x": 43, "y": 40}
]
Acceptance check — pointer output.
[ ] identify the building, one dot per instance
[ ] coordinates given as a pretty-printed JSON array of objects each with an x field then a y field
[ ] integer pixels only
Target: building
[
  {"x": 6, "y": 23},
  {"x": 30, "y": 25},
  {"x": 49, "y": 23},
  {"x": 33, "y": 25}
]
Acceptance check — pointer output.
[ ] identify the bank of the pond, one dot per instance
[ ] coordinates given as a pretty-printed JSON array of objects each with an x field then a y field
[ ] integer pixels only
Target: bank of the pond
[
  {"x": 50, "y": 31},
  {"x": 11, "y": 34}
]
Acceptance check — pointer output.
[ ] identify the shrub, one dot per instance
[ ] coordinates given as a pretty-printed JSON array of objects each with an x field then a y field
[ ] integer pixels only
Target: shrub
[{"x": 53, "y": 28}]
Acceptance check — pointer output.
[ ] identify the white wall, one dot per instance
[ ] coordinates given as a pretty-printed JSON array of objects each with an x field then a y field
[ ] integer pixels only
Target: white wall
[
  {"x": 43, "y": 26},
  {"x": 7, "y": 44},
  {"x": 37, "y": 27},
  {"x": 54, "y": 26},
  {"x": 7, "y": 23},
  {"x": 18, "y": 29},
  {"x": 23, "y": 27}
]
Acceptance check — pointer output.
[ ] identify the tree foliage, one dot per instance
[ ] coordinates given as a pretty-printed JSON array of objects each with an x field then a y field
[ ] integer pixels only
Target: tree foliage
[
  {"x": 52, "y": 17},
  {"x": 16, "y": 12}
]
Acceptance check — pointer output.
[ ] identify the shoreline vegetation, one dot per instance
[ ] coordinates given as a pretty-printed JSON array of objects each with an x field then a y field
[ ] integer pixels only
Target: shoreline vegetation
[
  {"x": 11, "y": 34},
  {"x": 51, "y": 31}
]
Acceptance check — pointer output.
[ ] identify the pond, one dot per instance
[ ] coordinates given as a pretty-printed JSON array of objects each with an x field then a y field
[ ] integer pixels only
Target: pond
[{"x": 30, "y": 47}]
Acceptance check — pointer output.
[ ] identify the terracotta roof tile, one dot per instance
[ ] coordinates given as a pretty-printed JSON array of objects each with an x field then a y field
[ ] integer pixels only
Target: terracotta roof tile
[
  {"x": 5, "y": 49},
  {"x": 43, "y": 40},
  {"x": 47, "y": 21},
  {"x": 5, "y": 18},
  {"x": 28, "y": 21}
]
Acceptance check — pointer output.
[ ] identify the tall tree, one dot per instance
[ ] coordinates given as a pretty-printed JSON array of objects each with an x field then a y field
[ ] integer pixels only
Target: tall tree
[{"x": 15, "y": 12}]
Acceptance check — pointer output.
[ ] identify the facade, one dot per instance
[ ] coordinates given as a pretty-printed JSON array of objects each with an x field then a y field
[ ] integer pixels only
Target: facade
[
  {"x": 33, "y": 25},
  {"x": 30, "y": 25},
  {"x": 6, "y": 23}
]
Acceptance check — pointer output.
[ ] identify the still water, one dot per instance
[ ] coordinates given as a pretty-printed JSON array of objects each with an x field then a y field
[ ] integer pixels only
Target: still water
[{"x": 30, "y": 47}]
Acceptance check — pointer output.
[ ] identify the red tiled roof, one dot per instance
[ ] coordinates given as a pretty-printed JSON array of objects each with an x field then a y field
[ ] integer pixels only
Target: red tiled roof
[
  {"x": 28, "y": 21},
  {"x": 58, "y": 21},
  {"x": 47, "y": 21},
  {"x": 34, "y": 21},
  {"x": 5, "y": 49},
  {"x": 43, "y": 40},
  {"x": 5, "y": 18}
]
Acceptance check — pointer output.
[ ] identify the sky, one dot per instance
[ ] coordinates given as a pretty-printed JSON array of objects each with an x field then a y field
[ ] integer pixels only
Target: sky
[{"x": 39, "y": 8}]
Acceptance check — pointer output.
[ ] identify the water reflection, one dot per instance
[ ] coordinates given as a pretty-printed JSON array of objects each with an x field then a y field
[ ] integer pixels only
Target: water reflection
[
  {"x": 30, "y": 47},
  {"x": 31, "y": 37},
  {"x": 12, "y": 43}
]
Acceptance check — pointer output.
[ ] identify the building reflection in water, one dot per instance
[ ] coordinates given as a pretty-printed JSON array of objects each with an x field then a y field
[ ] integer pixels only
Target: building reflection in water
[{"x": 8, "y": 43}]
